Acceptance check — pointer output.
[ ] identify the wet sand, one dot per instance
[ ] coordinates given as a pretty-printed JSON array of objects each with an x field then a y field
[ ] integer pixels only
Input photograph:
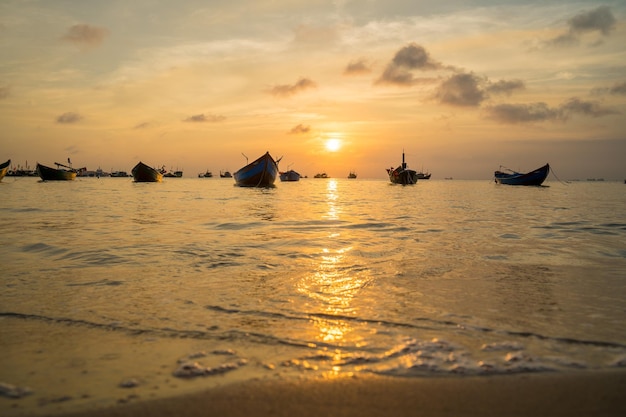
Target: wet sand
[{"x": 570, "y": 394}]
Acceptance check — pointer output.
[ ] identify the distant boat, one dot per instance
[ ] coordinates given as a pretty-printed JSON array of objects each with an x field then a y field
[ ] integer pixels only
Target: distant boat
[
  {"x": 261, "y": 172},
  {"x": 290, "y": 175},
  {"x": 143, "y": 173},
  {"x": 352, "y": 175},
  {"x": 320, "y": 175},
  {"x": 423, "y": 175},
  {"x": 207, "y": 174},
  {"x": 536, "y": 177},
  {"x": 66, "y": 173},
  {"x": 225, "y": 174},
  {"x": 22, "y": 171},
  {"x": 4, "y": 168},
  {"x": 175, "y": 174},
  {"x": 119, "y": 174},
  {"x": 402, "y": 175}
]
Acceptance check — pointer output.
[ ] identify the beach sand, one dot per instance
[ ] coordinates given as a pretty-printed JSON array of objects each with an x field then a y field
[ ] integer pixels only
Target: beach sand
[{"x": 564, "y": 394}]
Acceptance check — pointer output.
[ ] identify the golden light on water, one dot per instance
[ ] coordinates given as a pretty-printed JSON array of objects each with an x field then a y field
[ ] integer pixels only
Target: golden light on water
[
  {"x": 331, "y": 201},
  {"x": 332, "y": 287}
]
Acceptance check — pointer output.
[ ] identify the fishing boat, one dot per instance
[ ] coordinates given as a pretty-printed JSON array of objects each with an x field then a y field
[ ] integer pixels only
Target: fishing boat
[
  {"x": 536, "y": 177},
  {"x": 321, "y": 175},
  {"x": 119, "y": 174},
  {"x": 225, "y": 174},
  {"x": 261, "y": 172},
  {"x": 207, "y": 174},
  {"x": 60, "y": 173},
  {"x": 174, "y": 174},
  {"x": 402, "y": 175},
  {"x": 22, "y": 171},
  {"x": 4, "y": 168},
  {"x": 423, "y": 175},
  {"x": 143, "y": 173},
  {"x": 290, "y": 175},
  {"x": 352, "y": 175}
]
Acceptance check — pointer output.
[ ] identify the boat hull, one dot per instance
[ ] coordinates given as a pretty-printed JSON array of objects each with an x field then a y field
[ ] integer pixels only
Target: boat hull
[
  {"x": 290, "y": 176},
  {"x": 260, "y": 173},
  {"x": 536, "y": 177},
  {"x": 402, "y": 176},
  {"x": 53, "y": 174},
  {"x": 4, "y": 168},
  {"x": 144, "y": 173}
]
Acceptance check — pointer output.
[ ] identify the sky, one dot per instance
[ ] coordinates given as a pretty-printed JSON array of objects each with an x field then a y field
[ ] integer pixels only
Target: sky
[{"x": 460, "y": 86}]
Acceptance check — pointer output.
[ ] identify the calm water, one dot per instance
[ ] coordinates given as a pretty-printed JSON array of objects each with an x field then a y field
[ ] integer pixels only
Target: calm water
[{"x": 114, "y": 291}]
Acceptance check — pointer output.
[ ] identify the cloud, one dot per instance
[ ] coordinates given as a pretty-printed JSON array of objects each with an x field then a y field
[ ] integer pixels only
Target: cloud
[
  {"x": 599, "y": 20},
  {"x": 357, "y": 67},
  {"x": 541, "y": 112},
  {"x": 619, "y": 89},
  {"x": 410, "y": 58},
  {"x": 287, "y": 90},
  {"x": 505, "y": 87},
  {"x": 462, "y": 89},
  {"x": 521, "y": 113},
  {"x": 85, "y": 35},
  {"x": 469, "y": 90},
  {"x": 587, "y": 108},
  {"x": 69, "y": 118},
  {"x": 201, "y": 118},
  {"x": 300, "y": 129}
]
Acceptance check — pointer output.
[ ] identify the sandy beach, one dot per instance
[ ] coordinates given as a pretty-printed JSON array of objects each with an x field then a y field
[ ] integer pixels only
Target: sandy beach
[{"x": 574, "y": 394}]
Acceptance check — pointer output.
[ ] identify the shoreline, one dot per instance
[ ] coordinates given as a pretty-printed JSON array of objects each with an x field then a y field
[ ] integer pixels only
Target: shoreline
[{"x": 585, "y": 393}]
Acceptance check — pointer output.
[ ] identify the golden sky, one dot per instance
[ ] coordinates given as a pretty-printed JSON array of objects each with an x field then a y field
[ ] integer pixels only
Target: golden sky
[{"x": 462, "y": 87}]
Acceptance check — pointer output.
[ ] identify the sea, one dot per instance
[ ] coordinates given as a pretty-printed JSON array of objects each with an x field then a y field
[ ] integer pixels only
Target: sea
[{"x": 115, "y": 292}]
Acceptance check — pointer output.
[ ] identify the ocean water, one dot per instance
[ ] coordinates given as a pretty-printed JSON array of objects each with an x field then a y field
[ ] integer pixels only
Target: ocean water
[{"x": 114, "y": 291}]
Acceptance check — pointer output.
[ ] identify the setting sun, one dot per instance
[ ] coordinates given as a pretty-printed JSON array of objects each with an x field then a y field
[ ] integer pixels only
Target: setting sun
[{"x": 333, "y": 145}]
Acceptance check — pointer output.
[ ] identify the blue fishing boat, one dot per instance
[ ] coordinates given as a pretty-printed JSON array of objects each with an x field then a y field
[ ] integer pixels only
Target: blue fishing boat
[
  {"x": 261, "y": 172},
  {"x": 290, "y": 175},
  {"x": 536, "y": 177}
]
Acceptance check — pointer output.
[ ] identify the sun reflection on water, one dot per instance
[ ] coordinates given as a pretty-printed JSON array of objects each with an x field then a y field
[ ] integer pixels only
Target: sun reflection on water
[{"x": 332, "y": 287}]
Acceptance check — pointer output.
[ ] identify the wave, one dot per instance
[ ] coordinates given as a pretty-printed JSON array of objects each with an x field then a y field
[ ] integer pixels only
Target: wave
[{"x": 408, "y": 356}]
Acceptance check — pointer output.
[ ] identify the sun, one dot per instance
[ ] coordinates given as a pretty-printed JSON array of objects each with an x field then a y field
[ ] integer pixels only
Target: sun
[{"x": 333, "y": 145}]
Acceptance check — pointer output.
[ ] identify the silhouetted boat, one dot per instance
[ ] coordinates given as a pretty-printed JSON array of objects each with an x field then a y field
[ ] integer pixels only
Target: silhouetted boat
[
  {"x": 320, "y": 175},
  {"x": 4, "y": 168},
  {"x": 225, "y": 174},
  {"x": 66, "y": 173},
  {"x": 423, "y": 175},
  {"x": 119, "y": 174},
  {"x": 402, "y": 175},
  {"x": 352, "y": 175},
  {"x": 143, "y": 173},
  {"x": 207, "y": 174},
  {"x": 22, "y": 171},
  {"x": 536, "y": 177},
  {"x": 290, "y": 175},
  {"x": 261, "y": 172},
  {"x": 175, "y": 174}
]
